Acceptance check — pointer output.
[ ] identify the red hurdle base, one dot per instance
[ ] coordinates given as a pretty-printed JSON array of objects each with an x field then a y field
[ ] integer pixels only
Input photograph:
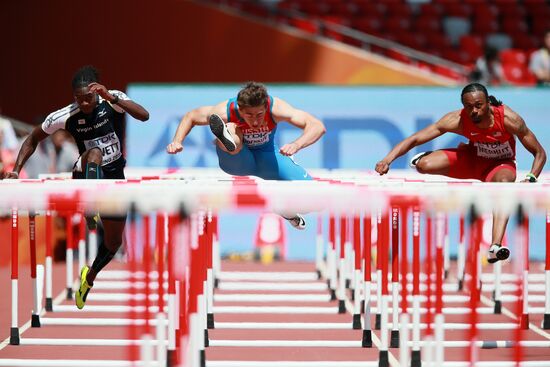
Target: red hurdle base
[{"x": 524, "y": 322}]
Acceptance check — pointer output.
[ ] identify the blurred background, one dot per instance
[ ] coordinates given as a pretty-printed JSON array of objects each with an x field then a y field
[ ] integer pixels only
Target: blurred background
[{"x": 372, "y": 71}]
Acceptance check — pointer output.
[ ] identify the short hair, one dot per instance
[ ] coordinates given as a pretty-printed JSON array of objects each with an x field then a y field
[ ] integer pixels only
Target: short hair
[
  {"x": 84, "y": 76},
  {"x": 253, "y": 94},
  {"x": 477, "y": 87}
]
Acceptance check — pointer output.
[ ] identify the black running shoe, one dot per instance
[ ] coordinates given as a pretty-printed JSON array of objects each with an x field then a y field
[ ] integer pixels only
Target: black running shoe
[
  {"x": 219, "y": 129},
  {"x": 497, "y": 253}
]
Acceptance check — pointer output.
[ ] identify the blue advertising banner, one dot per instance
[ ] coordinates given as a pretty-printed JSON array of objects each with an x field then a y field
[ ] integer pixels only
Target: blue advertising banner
[{"x": 363, "y": 124}]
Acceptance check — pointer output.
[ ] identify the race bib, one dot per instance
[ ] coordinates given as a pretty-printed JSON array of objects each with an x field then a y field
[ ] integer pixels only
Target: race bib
[
  {"x": 256, "y": 138},
  {"x": 494, "y": 150},
  {"x": 109, "y": 145}
]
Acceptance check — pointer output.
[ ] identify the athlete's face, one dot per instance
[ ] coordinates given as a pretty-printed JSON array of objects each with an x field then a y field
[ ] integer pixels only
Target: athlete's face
[
  {"x": 253, "y": 116},
  {"x": 476, "y": 106},
  {"x": 85, "y": 99}
]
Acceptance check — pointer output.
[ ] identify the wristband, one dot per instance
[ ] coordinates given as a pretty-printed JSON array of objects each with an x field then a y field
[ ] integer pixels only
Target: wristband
[
  {"x": 115, "y": 100},
  {"x": 531, "y": 177}
]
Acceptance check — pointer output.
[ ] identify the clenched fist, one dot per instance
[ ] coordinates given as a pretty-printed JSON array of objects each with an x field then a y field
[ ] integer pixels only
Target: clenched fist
[{"x": 174, "y": 148}]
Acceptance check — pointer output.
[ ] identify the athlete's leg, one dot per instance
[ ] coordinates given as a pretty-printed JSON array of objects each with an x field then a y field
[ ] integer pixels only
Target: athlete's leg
[
  {"x": 272, "y": 165},
  {"x": 434, "y": 163},
  {"x": 241, "y": 164},
  {"x": 501, "y": 173},
  {"x": 114, "y": 229}
]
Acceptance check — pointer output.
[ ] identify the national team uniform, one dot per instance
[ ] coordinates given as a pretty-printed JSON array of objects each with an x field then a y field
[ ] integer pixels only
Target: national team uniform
[
  {"x": 259, "y": 155},
  {"x": 103, "y": 129},
  {"x": 488, "y": 151}
]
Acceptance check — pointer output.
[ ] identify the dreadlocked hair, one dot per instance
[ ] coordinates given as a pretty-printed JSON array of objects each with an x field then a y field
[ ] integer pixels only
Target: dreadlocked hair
[
  {"x": 253, "y": 94},
  {"x": 84, "y": 76},
  {"x": 476, "y": 87}
]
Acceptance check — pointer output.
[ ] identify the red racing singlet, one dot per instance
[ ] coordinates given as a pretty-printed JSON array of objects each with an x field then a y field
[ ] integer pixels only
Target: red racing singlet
[{"x": 494, "y": 142}]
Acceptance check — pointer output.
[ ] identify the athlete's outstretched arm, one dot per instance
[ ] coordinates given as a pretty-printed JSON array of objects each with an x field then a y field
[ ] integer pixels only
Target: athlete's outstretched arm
[
  {"x": 198, "y": 116},
  {"x": 312, "y": 127},
  {"x": 134, "y": 109},
  {"x": 27, "y": 149},
  {"x": 515, "y": 124},
  {"x": 448, "y": 123}
]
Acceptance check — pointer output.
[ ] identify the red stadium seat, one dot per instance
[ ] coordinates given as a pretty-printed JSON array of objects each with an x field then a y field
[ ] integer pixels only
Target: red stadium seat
[
  {"x": 431, "y": 10},
  {"x": 518, "y": 74},
  {"x": 513, "y": 56},
  {"x": 457, "y": 9},
  {"x": 437, "y": 42},
  {"x": 398, "y": 9},
  {"x": 525, "y": 41},
  {"x": 473, "y": 45},
  {"x": 484, "y": 27},
  {"x": 367, "y": 24},
  {"x": 305, "y": 25},
  {"x": 427, "y": 24},
  {"x": 412, "y": 40},
  {"x": 397, "y": 25}
]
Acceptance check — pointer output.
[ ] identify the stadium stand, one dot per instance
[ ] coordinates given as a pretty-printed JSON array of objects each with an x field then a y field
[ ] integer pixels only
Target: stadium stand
[{"x": 448, "y": 30}]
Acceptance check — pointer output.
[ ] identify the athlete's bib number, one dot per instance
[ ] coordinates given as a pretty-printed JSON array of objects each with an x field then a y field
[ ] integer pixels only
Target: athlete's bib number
[
  {"x": 494, "y": 150},
  {"x": 109, "y": 146},
  {"x": 256, "y": 138}
]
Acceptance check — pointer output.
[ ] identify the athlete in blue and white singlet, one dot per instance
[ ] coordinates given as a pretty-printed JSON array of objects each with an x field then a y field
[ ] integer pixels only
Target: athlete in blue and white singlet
[{"x": 245, "y": 128}]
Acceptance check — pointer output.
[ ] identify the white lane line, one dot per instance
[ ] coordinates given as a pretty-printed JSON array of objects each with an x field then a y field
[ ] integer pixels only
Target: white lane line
[
  {"x": 291, "y": 364},
  {"x": 68, "y": 363},
  {"x": 95, "y": 321},
  {"x": 332, "y": 309},
  {"x": 375, "y": 340},
  {"x": 104, "y": 308},
  {"x": 486, "y": 344},
  {"x": 284, "y": 325},
  {"x": 275, "y": 309},
  {"x": 268, "y": 276},
  {"x": 57, "y": 300},
  {"x": 364, "y": 364},
  {"x": 88, "y": 342},
  {"x": 510, "y": 314},
  {"x": 247, "y": 297},
  {"x": 348, "y": 325},
  {"x": 286, "y": 343},
  {"x": 261, "y": 286}
]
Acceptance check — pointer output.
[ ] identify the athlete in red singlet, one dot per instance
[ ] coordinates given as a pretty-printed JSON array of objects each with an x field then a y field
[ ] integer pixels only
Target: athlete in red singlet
[{"x": 489, "y": 156}]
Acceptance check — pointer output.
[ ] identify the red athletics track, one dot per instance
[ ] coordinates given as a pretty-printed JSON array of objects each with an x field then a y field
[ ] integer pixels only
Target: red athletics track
[
  {"x": 287, "y": 353},
  {"x": 75, "y": 353},
  {"x": 217, "y": 355}
]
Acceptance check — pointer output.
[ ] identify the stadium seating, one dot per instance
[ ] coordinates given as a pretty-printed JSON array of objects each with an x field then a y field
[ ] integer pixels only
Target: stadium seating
[{"x": 452, "y": 29}]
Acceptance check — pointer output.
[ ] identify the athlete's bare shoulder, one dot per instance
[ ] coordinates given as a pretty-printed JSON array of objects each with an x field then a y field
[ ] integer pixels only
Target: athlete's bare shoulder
[
  {"x": 513, "y": 122},
  {"x": 450, "y": 122}
]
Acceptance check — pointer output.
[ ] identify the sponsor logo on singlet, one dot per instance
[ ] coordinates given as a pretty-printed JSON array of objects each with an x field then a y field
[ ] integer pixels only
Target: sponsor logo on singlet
[
  {"x": 256, "y": 137},
  {"x": 109, "y": 145},
  {"x": 496, "y": 150}
]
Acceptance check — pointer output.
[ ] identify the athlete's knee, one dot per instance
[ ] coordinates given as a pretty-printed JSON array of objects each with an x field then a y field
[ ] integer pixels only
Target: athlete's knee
[
  {"x": 224, "y": 149},
  {"x": 94, "y": 155},
  {"x": 506, "y": 176},
  {"x": 424, "y": 165}
]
